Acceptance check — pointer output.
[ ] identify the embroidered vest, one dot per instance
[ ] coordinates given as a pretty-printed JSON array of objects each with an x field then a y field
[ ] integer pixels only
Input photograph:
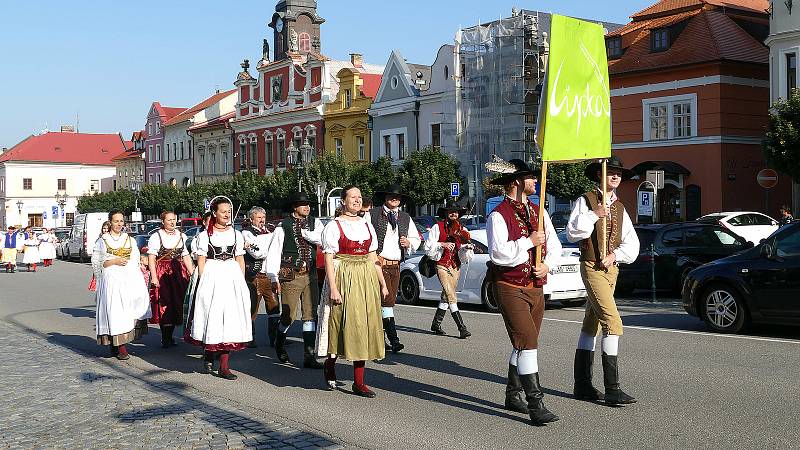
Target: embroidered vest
[
  {"x": 590, "y": 248},
  {"x": 518, "y": 227},
  {"x": 170, "y": 253},
  {"x": 221, "y": 253},
  {"x": 11, "y": 240},
  {"x": 123, "y": 252},
  {"x": 449, "y": 258},
  {"x": 380, "y": 221},
  {"x": 291, "y": 252},
  {"x": 253, "y": 266},
  {"x": 349, "y": 247}
]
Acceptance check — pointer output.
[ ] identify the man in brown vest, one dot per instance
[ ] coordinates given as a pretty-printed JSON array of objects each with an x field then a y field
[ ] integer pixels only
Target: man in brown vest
[
  {"x": 517, "y": 281},
  {"x": 599, "y": 272}
]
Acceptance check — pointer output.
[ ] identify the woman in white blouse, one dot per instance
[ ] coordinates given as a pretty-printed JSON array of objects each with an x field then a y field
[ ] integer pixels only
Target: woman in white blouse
[
  {"x": 219, "y": 314},
  {"x": 47, "y": 248},
  {"x": 170, "y": 266},
  {"x": 123, "y": 303},
  {"x": 354, "y": 286}
]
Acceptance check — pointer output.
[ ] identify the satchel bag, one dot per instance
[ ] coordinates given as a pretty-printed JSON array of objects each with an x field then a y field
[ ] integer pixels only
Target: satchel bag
[
  {"x": 427, "y": 267},
  {"x": 286, "y": 272}
]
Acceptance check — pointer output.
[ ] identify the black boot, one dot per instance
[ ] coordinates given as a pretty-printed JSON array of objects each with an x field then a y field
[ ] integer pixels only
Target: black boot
[
  {"x": 280, "y": 349},
  {"x": 309, "y": 356},
  {"x": 436, "y": 326},
  {"x": 614, "y": 395},
  {"x": 272, "y": 324},
  {"x": 462, "y": 329},
  {"x": 533, "y": 394},
  {"x": 391, "y": 334},
  {"x": 513, "y": 400},
  {"x": 583, "y": 377}
]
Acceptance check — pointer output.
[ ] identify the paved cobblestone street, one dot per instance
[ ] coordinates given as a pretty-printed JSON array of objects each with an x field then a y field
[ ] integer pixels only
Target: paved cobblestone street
[{"x": 54, "y": 397}]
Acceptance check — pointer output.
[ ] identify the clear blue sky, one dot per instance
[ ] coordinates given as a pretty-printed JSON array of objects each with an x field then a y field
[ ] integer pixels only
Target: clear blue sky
[{"x": 107, "y": 61}]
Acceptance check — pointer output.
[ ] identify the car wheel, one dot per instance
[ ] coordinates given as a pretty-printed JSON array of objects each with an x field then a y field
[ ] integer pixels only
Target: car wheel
[
  {"x": 487, "y": 296},
  {"x": 684, "y": 274},
  {"x": 723, "y": 309},
  {"x": 409, "y": 288}
]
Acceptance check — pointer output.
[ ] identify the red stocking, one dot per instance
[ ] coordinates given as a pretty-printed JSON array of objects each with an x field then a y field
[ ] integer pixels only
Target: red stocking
[
  {"x": 358, "y": 373},
  {"x": 122, "y": 350},
  {"x": 223, "y": 361}
]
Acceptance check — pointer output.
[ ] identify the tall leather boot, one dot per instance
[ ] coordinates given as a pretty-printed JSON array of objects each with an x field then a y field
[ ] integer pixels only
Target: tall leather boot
[
  {"x": 462, "y": 329},
  {"x": 533, "y": 394},
  {"x": 436, "y": 326},
  {"x": 272, "y": 324},
  {"x": 584, "y": 390},
  {"x": 280, "y": 347},
  {"x": 309, "y": 356},
  {"x": 614, "y": 395},
  {"x": 391, "y": 334},
  {"x": 513, "y": 388}
]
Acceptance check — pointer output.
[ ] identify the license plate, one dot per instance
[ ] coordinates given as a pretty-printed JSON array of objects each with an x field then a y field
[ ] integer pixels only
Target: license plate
[{"x": 569, "y": 269}]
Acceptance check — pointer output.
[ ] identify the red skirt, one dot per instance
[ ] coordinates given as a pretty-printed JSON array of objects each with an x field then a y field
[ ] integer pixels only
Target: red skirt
[{"x": 166, "y": 301}]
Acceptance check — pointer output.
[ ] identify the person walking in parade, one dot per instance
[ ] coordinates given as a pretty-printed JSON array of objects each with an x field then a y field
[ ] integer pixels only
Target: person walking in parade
[
  {"x": 398, "y": 237},
  {"x": 258, "y": 238},
  {"x": 47, "y": 248},
  {"x": 296, "y": 278},
  {"x": 219, "y": 314},
  {"x": 350, "y": 315},
  {"x": 123, "y": 302},
  {"x": 599, "y": 270},
  {"x": 11, "y": 240},
  {"x": 447, "y": 243},
  {"x": 170, "y": 267},
  {"x": 517, "y": 280},
  {"x": 30, "y": 255}
]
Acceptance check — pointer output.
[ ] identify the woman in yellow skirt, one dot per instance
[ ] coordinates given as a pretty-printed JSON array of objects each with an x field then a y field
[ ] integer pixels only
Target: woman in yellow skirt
[{"x": 354, "y": 286}]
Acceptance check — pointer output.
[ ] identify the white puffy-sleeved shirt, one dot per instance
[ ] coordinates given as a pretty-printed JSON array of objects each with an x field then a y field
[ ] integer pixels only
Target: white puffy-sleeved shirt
[
  {"x": 266, "y": 244},
  {"x": 100, "y": 253},
  {"x": 391, "y": 241},
  {"x": 166, "y": 240},
  {"x": 355, "y": 230},
  {"x": 219, "y": 238},
  {"x": 507, "y": 253},
  {"x": 581, "y": 226},
  {"x": 273, "y": 262}
]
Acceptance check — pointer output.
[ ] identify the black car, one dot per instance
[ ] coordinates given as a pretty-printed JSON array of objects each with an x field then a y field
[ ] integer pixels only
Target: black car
[
  {"x": 677, "y": 248},
  {"x": 759, "y": 285}
]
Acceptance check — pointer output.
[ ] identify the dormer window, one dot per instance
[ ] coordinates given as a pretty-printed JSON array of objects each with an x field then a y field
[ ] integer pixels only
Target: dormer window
[
  {"x": 614, "y": 47},
  {"x": 348, "y": 98},
  {"x": 659, "y": 39}
]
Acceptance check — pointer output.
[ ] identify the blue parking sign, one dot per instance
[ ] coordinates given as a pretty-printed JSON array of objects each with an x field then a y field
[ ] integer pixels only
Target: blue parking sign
[
  {"x": 55, "y": 211},
  {"x": 455, "y": 189}
]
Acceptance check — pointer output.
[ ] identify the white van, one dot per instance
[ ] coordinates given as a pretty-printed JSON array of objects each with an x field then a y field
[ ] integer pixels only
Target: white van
[{"x": 84, "y": 234}]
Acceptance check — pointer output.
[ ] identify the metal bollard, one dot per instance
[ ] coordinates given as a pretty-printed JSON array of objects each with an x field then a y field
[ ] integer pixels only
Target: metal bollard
[{"x": 653, "y": 272}]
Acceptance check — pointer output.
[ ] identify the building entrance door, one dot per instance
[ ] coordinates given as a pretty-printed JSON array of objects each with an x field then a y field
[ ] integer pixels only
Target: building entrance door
[
  {"x": 669, "y": 202},
  {"x": 35, "y": 220}
]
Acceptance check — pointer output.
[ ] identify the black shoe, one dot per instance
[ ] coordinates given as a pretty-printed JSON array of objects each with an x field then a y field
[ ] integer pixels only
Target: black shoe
[
  {"x": 228, "y": 375},
  {"x": 436, "y": 326},
  {"x": 252, "y": 344},
  {"x": 280, "y": 349},
  {"x": 514, "y": 401},
  {"x": 207, "y": 368},
  {"x": 363, "y": 391},
  {"x": 462, "y": 329},
  {"x": 614, "y": 395},
  {"x": 391, "y": 333},
  {"x": 538, "y": 413},
  {"x": 582, "y": 370},
  {"x": 309, "y": 356}
]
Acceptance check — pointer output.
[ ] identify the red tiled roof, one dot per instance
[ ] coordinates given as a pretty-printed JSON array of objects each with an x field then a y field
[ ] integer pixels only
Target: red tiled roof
[
  {"x": 372, "y": 82},
  {"x": 214, "y": 122},
  {"x": 129, "y": 153},
  {"x": 665, "y": 7},
  {"x": 170, "y": 112},
  {"x": 188, "y": 113},
  {"x": 78, "y": 148}
]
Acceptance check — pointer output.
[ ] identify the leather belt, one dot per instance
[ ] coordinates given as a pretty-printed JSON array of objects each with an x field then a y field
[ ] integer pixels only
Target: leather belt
[
  {"x": 387, "y": 262},
  {"x": 301, "y": 270}
]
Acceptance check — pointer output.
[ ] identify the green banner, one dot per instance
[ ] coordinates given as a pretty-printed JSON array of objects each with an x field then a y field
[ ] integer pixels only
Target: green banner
[{"x": 575, "y": 110}]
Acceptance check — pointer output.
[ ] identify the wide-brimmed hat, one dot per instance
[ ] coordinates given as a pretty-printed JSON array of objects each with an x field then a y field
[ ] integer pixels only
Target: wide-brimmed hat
[
  {"x": 299, "y": 198},
  {"x": 450, "y": 206},
  {"x": 613, "y": 163},
  {"x": 512, "y": 170},
  {"x": 393, "y": 190}
]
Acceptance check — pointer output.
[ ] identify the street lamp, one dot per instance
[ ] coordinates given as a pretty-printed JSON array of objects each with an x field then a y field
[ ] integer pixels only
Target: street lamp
[
  {"x": 297, "y": 157},
  {"x": 61, "y": 199},
  {"x": 20, "y": 204}
]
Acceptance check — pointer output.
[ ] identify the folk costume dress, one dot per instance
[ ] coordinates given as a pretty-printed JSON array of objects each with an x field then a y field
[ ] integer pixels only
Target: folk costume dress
[
  {"x": 219, "y": 314},
  {"x": 354, "y": 328},
  {"x": 173, "y": 277},
  {"x": 31, "y": 253},
  {"x": 123, "y": 301},
  {"x": 47, "y": 248}
]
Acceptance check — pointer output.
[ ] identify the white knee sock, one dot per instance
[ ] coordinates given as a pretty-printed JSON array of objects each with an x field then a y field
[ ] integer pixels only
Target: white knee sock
[
  {"x": 387, "y": 312},
  {"x": 309, "y": 325},
  {"x": 443, "y": 305},
  {"x": 586, "y": 342},
  {"x": 512, "y": 358},
  {"x": 453, "y": 307},
  {"x": 610, "y": 344},
  {"x": 527, "y": 362}
]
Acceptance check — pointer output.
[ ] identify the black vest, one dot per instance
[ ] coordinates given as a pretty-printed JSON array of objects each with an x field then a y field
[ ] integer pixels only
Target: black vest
[
  {"x": 252, "y": 266},
  {"x": 381, "y": 222},
  {"x": 291, "y": 254}
]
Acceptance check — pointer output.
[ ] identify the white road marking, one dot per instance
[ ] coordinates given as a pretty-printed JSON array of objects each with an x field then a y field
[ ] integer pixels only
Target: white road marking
[{"x": 639, "y": 327}]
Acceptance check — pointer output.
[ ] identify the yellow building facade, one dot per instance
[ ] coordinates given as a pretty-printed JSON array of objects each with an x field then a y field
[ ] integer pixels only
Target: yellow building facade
[{"x": 346, "y": 132}]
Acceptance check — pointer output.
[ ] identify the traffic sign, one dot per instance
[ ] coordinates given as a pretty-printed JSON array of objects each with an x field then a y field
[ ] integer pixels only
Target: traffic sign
[
  {"x": 455, "y": 189},
  {"x": 55, "y": 211},
  {"x": 645, "y": 205},
  {"x": 767, "y": 178},
  {"x": 44, "y": 214},
  {"x": 207, "y": 204}
]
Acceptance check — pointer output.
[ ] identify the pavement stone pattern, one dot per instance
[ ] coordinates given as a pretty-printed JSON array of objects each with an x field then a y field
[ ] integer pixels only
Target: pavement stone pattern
[{"x": 54, "y": 397}]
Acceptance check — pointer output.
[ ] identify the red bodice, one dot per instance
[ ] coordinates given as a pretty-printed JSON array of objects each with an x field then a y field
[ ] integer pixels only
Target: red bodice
[{"x": 349, "y": 247}]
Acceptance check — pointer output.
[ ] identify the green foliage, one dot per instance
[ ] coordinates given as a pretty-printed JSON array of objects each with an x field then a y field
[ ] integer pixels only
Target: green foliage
[
  {"x": 567, "y": 181},
  {"x": 105, "y": 202},
  {"x": 426, "y": 175},
  {"x": 781, "y": 145},
  {"x": 329, "y": 168},
  {"x": 372, "y": 177}
]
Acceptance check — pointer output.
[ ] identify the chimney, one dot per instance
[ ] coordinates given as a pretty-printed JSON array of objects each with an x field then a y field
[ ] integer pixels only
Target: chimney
[{"x": 357, "y": 59}]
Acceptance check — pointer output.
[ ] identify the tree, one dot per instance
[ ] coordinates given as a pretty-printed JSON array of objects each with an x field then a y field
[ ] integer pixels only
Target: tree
[
  {"x": 567, "y": 181},
  {"x": 426, "y": 175},
  {"x": 106, "y": 201},
  {"x": 372, "y": 177},
  {"x": 781, "y": 145},
  {"x": 155, "y": 198},
  {"x": 329, "y": 168}
]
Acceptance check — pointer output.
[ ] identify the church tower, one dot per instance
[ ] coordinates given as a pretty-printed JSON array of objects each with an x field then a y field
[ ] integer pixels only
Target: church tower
[{"x": 296, "y": 28}]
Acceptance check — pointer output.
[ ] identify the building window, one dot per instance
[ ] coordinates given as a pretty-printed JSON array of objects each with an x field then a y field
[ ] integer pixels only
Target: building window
[
  {"x": 348, "y": 98},
  {"x": 70, "y": 218},
  {"x": 401, "y": 145},
  {"x": 337, "y": 142},
  {"x": 614, "y": 47},
  {"x": 298, "y": 138},
  {"x": 659, "y": 39},
  {"x": 213, "y": 169},
  {"x": 158, "y": 128},
  {"x": 446, "y": 73},
  {"x": 253, "y": 153},
  {"x": 436, "y": 135},
  {"x": 27, "y": 184},
  {"x": 305, "y": 42},
  {"x": 94, "y": 185},
  {"x": 282, "y": 151},
  {"x": 658, "y": 121},
  {"x": 158, "y": 152},
  {"x": 268, "y": 151},
  {"x": 225, "y": 163},
  {"x": 362, "y": 148},
  {"x": 682, "y": 120},
  {"x": 183, "y": 156},
  {"x": 150, "y": 156},
  {"x": 242, "y": 156},
  {"x": 202, "y": 168},
  {"x": 150, "y": 178},
  {"x": 62, "y": 182},
  {"x": 150, "y": 128},
  {"x": 387, "y": 146},
  {"x": 672, "y": 117},
  {"x": 791, "y": 73},
  {"x": 190, "y": 149}
]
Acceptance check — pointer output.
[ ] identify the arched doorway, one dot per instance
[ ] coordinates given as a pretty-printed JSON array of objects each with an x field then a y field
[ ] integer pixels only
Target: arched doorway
[{"x": 693, "y": 204}]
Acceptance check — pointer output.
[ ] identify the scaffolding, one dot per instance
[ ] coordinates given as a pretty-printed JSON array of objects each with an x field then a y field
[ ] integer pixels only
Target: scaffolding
[{"x": 502, "y": 66}]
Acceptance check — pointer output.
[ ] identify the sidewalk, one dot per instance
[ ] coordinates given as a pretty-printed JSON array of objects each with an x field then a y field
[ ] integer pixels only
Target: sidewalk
[{"x": 54, "y": 397}]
